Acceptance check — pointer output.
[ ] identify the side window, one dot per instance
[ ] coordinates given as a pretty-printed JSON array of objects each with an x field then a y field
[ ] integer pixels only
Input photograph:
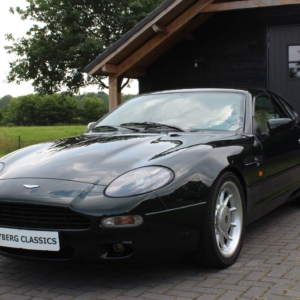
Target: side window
[
  {"x": 266, "y": 109},
  {"x": 291, "y": 113}
]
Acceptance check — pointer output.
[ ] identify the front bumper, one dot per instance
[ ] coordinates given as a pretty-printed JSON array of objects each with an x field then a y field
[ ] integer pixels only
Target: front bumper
[{"x": 165, "y": 233}]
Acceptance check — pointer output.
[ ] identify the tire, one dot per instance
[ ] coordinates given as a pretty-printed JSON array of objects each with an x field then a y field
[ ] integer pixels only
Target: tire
[{"x": 223, "y": 224}]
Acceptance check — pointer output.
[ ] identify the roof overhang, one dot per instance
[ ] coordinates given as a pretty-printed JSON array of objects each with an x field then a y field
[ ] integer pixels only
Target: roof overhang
[{"x": 171, "y": 22}]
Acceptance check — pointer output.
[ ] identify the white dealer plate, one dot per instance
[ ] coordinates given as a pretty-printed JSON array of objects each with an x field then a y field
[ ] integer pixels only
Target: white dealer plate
[{"x": 29, "y": 239}]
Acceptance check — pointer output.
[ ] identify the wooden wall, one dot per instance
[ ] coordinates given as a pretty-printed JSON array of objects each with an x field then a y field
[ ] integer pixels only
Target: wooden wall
[{"x": 233, "y": 46}]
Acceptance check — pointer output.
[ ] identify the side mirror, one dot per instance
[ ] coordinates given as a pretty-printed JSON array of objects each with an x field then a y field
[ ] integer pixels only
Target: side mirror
[
  {"x": 90, "y": 125},
  {"x": 281, "y": 124}
]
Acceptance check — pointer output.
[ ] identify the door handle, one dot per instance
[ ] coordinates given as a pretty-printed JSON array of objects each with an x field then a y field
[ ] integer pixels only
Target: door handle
[{"x": 252, "y": 161}]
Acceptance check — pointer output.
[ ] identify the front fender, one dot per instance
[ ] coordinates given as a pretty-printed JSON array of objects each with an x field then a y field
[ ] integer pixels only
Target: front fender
[{"x": 197, "y": 168}]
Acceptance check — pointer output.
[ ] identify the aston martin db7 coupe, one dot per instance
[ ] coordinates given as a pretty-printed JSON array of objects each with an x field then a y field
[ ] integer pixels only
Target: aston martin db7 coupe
[{"x": 164, "y": 175}]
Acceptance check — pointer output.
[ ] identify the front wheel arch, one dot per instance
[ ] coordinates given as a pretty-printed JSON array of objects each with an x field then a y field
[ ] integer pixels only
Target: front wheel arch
[
  {"x": 241, "y": 179},
  {"x": 223, "y": 224}
]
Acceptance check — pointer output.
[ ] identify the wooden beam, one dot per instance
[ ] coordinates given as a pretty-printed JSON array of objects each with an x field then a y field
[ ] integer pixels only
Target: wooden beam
[
  {"x": 113, "y": 93},
  {"x": 108, "y": 68},
  {"x": 199, "y": 20},
  {"x": 247, "y": 4},
  {"x": 152, "y": 56},
  {"x": 136, "y": 35},
  {"x": 159, "y": 28},
  {"x": 175, "y": 39},
  {"x": 173, "y": 28}
]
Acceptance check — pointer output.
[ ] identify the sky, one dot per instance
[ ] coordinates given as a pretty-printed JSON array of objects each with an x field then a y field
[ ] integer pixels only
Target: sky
[{"x": 10, "y": 23}]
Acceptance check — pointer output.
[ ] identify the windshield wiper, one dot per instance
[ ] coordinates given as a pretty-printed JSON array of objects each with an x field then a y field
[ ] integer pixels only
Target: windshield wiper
[
  {"x": 106, "y": 128},
  {"x": 151, "y": 125}
]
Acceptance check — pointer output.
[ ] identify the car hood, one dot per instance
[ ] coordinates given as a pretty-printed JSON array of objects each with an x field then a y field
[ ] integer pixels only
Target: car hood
[{"x": 99, "y": 159}]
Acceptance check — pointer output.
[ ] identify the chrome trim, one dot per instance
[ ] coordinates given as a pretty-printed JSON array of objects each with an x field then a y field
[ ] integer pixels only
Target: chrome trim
[
  {"x": 164, "y": 211},
  {"x": 31, "y": 186},
  {"x": 252, "y": 163},
  {"x": 256, "y": 162}
]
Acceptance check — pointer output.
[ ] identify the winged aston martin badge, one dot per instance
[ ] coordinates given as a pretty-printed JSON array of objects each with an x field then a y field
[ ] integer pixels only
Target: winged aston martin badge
[{"x": 31, "y": 186}]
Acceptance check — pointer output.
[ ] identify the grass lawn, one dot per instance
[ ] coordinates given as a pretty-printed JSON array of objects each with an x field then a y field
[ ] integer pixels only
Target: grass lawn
[{"x": 9, "y": 136}]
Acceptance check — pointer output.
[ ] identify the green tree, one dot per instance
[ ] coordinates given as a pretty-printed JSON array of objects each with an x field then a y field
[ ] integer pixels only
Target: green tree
[
  {"x": 1, "y": 116},
  {"x": 56, "y": 108},
  {"x": 93, "y": 109},
  {"x": 4, "y": 115},
  {"x": 13, "y": 113},
  {"x": 41, "y": 110},
  {"x": 67, "y": 35},
  {"x": 5, "y": 100},
  {"x": 27, "y": 109}
]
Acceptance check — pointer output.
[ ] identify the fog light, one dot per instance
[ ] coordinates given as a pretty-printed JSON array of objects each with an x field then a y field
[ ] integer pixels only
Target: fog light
[
  {"x": 124, "y": 221},
  {"x": 119, "y": 248}
]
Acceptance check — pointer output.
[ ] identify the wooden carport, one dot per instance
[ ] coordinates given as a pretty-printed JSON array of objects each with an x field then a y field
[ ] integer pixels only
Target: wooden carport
[{"x": 171, "y": 22}]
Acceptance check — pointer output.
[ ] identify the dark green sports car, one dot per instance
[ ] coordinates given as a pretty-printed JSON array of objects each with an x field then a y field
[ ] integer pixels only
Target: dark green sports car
[{"x": 165, "y": 175}]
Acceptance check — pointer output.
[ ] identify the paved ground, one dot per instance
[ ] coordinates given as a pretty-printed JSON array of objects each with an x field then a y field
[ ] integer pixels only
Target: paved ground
[{"x": 269, "y": 268}]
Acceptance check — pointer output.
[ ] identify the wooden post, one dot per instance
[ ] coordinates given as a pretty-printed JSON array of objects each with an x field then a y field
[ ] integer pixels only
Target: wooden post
[{"x": 113, "y": 92}]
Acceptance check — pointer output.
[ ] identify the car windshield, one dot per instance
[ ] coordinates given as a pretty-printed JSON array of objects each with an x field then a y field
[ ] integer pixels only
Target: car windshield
[{"x": 190, "y": 111}]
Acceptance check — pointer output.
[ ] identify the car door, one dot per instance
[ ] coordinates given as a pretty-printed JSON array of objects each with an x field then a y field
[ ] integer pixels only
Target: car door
[{"x": 281, "y": 150}]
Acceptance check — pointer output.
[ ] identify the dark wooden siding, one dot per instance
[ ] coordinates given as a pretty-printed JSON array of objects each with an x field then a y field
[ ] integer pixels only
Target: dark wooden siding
[
  {"x": 233, "y": 46},
  {"x": 279, "y": 80}
]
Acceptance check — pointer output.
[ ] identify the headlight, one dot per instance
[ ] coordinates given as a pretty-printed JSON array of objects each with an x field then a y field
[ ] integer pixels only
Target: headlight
[
  {"x": 1, "y": 166},
  {"x": 140, "y": 181}
]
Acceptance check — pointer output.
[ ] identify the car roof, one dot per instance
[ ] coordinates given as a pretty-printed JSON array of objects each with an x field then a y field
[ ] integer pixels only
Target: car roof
[{"x": 252, "y": 91}]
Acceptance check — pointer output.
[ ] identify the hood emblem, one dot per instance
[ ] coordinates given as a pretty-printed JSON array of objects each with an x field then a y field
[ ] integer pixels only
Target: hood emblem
[{"x": 31, "y": 186}]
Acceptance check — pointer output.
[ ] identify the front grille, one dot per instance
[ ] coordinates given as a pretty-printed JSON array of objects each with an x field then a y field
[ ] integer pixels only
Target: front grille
[{"x": 40, "y": 217}]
